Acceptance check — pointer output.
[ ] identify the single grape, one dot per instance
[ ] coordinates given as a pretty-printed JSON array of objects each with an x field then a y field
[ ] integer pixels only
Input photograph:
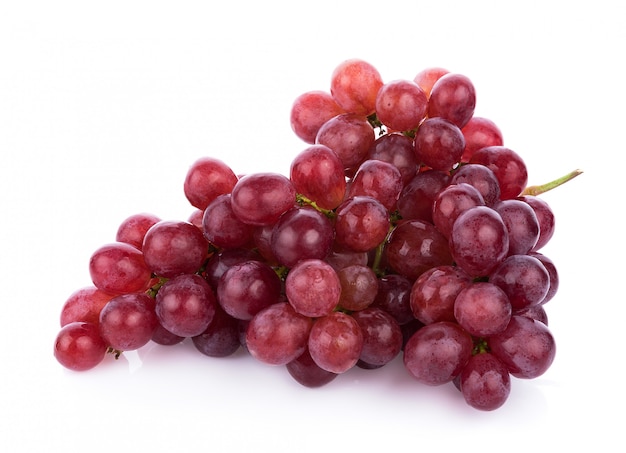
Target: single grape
[
  {"x": 261, "y": 198},
  {"x": 362, "y": 223},
  {"x": 536, "y": 312},
  {"x": 84, "y": 305},
  {"x": 521, "y": 223},
  {"x": 409, "y": 329},
  {"x": 545, "y": 217},
  {"x": 119, "y": 268},
  {"x": 222, "y": 228},
  {"x": 439, "y": 144},
  {"x": 524, "y": 279},
  {"x": 552, "y": 272},
  {"x": 185, "y": 305},
  {"x": 173, "y": 247},
  {"x": 128, "y": 321},
  {"x": 335, "y": 342},
  {"x": 507, "y": 165},
  {"x": 221, "y": 337},
  {"x": 482, "y": 309},
  {"x": 340, "y": 257},
  {"x": 309, "y": 111},
  {"x": 278, "y": 334},
  {"x": 301, "y": 233},
  {"x": 426, "y": 78},
  {"x": 526, "y": 347},
  {"x": 359, "y": 286},
  {"x": 452, "y": 202},
  {"x": 482, "y": 178},
  {"x": 417, "y": 197},
  {"x": 397, "y": 149},
  {"x": 480, "y": 132},
  {"x": 133, "y": 229},
  {"x": 164, "y": 337},
  {"x": 195, "y": 218},
  {"x": 78, "y": 346},
  {"x": 453, "y": 97},
  {"x": 379, "y": 180},
  {"x": 415, "y": 246},
  {"x": 393, "y": 296},
  {"x": 437, "y": 352},
  {"x": 382, "y": 336},
  {"x": 401, "y": 105},
  {"x": 485, "y": 382},
  {"x": 306, "y": 372},
  {"x": 350, "y": 137},
  {"x": 354, "y": 85},
  {"x": 313, "y": 288},
  {"x": 317, "y": 172},
  {"x": 206, "y": 179},
  {"x": 248, "y": 287},
  {"x": 220, "y": 262},
  {"x": 479, "y": 241},
  {"x": 433, "y": 294}
]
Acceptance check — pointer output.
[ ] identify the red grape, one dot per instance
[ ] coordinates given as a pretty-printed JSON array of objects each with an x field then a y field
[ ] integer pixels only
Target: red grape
[
  {"x": 416, "y": 246},
  {"x": 362, "y": 223},
  {"x": 350, "y": 137},
  {"x": 313, "y": 287},
  {"x": 318, "y": 173},
  {"x": 439, "y": 144},
  {"x": 173, "y": 248},
  {"x": 206, "y": 179},
  {"x": 437, "y": 352},
  {"x": 278, "y": 334},
  {"x": 335, "y": 342},
  {"x": 79, "y": 347},
  {"x": 485, "y": 382},
  {"x": 128, "y": 321},
  {"x": 401, "y": 105},
  {"x": 479, "y": 241},
  {"x": 354, "y": 85},
  {"x": 261, "y": 198},
  {"x": 309, "y": 111},
  {"x": 185, "y": 305},
  {"x": 246, "y": 288},
  {"x": 453, "y": 97},
  {"x": 222, "y": 228},
  {"x": 133, "y": 229},
  {"x": 84, "y": 305},
  {"x": 526, "y": 347},
  {"x": 507, "y": 165},
  {"x": 119, "y": 268}
]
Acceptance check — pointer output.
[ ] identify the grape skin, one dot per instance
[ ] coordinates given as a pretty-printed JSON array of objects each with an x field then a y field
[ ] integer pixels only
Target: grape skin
[
  {"x": 119, "y": 268},
  {"x": 185, "y": 305},
  {"x": 437, "y": 352},
  {"x": 335, "y": 342},
  {"x": 526, "y": 347},
  {"x": 128, "y": 321},
  {"x": 485, "y": 382},
  {"x": 313, "y": 288},
  {"x": 479, "y": 241},
  {"x": 79, "y": 347},
  {"x": 278, "y": 334}
]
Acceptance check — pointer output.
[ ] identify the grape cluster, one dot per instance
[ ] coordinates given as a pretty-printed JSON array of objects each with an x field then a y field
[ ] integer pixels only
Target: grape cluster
[{"x": 405, "y": 227}]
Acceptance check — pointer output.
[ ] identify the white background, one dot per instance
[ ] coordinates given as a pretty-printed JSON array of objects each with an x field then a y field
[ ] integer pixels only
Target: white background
[{"x": 103, "y": 107}]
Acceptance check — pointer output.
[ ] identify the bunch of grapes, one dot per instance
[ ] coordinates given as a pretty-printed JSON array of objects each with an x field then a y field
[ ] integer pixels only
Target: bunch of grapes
[{"x": 405, "y": 227}]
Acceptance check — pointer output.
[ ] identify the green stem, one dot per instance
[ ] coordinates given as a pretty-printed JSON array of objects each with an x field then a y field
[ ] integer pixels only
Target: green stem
[
  {"x": 543, "y": 188},
  {"x": 303, "y": 200},
  {"x": 379, "y": 254}
]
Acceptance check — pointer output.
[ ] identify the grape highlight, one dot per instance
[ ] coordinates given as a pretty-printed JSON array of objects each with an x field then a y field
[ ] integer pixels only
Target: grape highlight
[{"x": 405, "y": 230}]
